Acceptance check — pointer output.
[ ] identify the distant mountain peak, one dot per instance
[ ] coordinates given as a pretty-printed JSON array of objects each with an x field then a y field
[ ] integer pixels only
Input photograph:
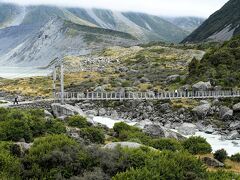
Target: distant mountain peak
[{"x": 220, "y": 26}]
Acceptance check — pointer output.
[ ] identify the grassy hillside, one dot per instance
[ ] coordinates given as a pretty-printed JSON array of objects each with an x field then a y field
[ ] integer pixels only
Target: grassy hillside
[
  {"x": 134, "y": 68},
  {"x": 220, "y": 65},
  {"x": 228, "y": 15}
]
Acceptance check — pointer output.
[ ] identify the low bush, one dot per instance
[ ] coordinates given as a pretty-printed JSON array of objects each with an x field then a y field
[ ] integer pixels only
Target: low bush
[
  {"x": 167, "y": 165},
  {"x": 17, "y": 124},
  {"x": 197, "y": 145},
  {"x": 166, "y": 144},
  {"x": 78, "y": 121},
  {"x": 235, "y": 157},
  {"x": 222, "y": 175},
  {"x": 93, "y": 134},
  {"x": 55, "y": 156},
  {"x": 220, "y": 155},
  {"x": 9, "y": 165}
]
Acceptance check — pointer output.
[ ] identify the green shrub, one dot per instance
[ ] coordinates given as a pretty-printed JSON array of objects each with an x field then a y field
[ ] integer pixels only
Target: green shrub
[
  {"x": 235, "y": 157},
  {"x": 53, "y": 156},
  {"x": 166, "y": 144},
  {"x": 18, "y": 124},
  {"x": 121, "y": 126},
  {"x": 78, "y": 121},
  {"x": 222, "y": 175},
  {"x": 55, "y": 127},
  {"x": 197, "y": 145},
  {"x": 95, "y": 135},
  {"x": 167, "y": 165},
  {"x": 14, "y": 130},
  {"x": 9, "y": 165},
  {"x": 220, "y": 155}
]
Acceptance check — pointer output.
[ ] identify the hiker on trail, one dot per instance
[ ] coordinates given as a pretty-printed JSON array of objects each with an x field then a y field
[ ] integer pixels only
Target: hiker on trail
[
  {"x": 15, "y": 100},
  {"x": 86, "y": 93},
  {"x": 176, "y": 93}
]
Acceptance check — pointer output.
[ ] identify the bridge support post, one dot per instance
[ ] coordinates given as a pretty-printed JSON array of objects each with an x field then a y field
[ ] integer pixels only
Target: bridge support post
[{"x": 62, "y": 84}]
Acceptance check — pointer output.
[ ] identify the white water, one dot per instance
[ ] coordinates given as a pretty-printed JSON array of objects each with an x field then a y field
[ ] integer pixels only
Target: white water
[
  {"x": 216, "y": 143},
  {"x": 110, "y": 122},
  {"x": 21, "y": 72},
  {"x": 214, "y": 140}
]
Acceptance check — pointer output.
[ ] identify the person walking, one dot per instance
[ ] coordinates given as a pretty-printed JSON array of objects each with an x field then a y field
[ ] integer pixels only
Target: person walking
[{"x": 15, "y": 100}]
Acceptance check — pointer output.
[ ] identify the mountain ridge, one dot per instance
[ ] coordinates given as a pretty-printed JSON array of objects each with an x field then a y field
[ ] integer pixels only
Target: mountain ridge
[{"x": 220, "y": 26}]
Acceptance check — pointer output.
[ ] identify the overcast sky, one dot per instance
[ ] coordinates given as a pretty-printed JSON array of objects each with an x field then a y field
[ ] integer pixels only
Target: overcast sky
[{"x": 201, "y": 8}]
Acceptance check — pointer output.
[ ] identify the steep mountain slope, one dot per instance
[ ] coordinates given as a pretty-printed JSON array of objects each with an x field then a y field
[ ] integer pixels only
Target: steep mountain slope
[
  {"x": 187, "y": 23},
  {"x": 143, "y": 26},
  {"x": 11, "y": 15},
  {"x": 220, "y": 26},
  {"x": 59, "y": 38}
]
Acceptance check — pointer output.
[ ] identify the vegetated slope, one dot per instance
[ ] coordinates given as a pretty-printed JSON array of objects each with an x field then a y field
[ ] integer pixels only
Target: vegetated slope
[
  {"x": 187, "y": 23},
  {"x": 220, "y": 65},
  {"x": 220, "y": 26}
]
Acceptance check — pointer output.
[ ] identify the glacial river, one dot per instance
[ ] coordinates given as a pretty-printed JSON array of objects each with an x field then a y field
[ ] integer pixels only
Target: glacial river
[
  {"x": 21, "y": 72},
  {"x": 231, "y": 146}
]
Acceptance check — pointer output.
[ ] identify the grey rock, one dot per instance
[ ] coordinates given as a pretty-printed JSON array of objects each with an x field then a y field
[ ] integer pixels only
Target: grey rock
[
  {"x": 233, "y": 135},
  {"x": 235, "y": 125},
  {"x": 212, "y": 162},
  {"x": 143, "y": 123},
  {"x": 24, "y": 146},
  {"x": 209, "y": 129},
  {"x": 102, "y": 112},
  {"x": 91, "y": 112},
  {"x": 225, "y": 113},
  {"x": 144, "y": 80},
  {"x": 187, "y": 129},
  {"x": 165, "y": 107},
  {"x": 160, "y": 131},
  {"x": 236, "y": 107},
  {"x": 172, "y": 78},
  {"x": 203, "y": 102},
  {"x": 123, "y": 145},
  {"x": 114, "y": 114},
  {"x": 60, "y": 110},
  {"x": 201, "y": 111},
  {"x": 202, "y": 86},
  {"x": 47, "y": 114}
]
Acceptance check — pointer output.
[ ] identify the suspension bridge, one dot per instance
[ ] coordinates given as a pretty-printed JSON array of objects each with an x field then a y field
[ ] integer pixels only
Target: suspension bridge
[{"x": 169, "y": 95}]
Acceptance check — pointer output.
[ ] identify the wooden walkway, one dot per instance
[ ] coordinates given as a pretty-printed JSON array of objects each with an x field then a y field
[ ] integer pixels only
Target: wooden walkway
[{"x": 71, "y": 96}]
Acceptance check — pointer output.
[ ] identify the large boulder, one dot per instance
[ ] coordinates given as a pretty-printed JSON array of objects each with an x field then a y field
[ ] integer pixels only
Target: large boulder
[
  {"x": 102, "y": 112},
  {"x": 202, "y": 110},
  {"x": 64, "y": 110},
  {"x": 123, "y": 145},
  {"x": 187, "y": 129},
  {"x": 173, "y": 78},
  {"x": 225, "y": 113},
  {"x": 155, "y": 130},
  {"x": 202, "y": 86},
  {"x": 236, "y": 107},
  {"x": 212, "y": 162},
  {"x": 233, "y": 135}
]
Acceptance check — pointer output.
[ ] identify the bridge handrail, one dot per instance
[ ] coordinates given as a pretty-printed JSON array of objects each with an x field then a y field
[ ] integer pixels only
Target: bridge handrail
[{"x": 146, "y": 95}]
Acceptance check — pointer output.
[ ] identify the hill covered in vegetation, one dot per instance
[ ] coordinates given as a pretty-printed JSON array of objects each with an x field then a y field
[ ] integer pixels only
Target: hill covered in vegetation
[{"x": 220, "y": 65}]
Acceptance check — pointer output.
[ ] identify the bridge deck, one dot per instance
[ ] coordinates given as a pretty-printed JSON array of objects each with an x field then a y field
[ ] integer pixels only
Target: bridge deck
[{"x": 148, "y": 96}]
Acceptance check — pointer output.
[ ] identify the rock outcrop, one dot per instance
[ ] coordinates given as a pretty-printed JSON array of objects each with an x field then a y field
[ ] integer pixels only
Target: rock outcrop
[{"x": 123, "y": 145}]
